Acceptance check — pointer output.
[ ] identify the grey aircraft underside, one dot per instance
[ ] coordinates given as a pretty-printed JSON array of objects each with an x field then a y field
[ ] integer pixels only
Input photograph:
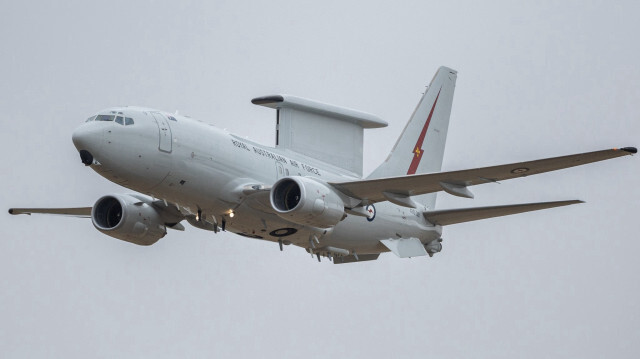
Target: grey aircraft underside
[{"x": 308, "y": 190}]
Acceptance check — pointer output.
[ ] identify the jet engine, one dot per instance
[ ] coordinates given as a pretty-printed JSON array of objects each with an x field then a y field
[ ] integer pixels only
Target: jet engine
[
  {"x": 307, "y": 202},
  {"x": 129, "y": 219}
]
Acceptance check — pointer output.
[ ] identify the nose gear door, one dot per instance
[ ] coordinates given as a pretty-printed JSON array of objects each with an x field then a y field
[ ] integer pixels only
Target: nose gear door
[{"x": 164, "y": 131}]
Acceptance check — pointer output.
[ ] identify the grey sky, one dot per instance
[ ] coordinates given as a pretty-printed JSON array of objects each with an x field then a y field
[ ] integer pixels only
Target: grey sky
[{"x": 535, "y": 80}]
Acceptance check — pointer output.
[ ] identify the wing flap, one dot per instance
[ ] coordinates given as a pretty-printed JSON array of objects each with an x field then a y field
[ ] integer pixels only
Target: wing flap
[
  {"x": 84, "y": 212},
  {"x": 372, "y": 190},
  {"x": 454, "y": 216}
]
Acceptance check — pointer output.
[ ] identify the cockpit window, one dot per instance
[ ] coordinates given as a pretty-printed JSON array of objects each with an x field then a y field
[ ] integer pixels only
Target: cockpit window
[
  {"x": 118, "y": 118},
  {"x": 105, "y": 117},
  {"x": 172, "y": 118}
]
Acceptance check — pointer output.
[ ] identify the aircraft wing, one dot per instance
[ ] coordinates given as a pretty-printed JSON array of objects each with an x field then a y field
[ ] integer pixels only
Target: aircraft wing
[
  {"x": 455, "y": 182},
  {"x": 454, "y": 216},
  {"x": 74, "y": 212}
]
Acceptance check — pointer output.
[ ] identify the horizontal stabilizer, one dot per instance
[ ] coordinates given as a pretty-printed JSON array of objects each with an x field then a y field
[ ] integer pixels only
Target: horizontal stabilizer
[
  {"x": 405, "y": 247},
  {"x": 75, "y": 212},
  {"x": 454, "y": 216}
]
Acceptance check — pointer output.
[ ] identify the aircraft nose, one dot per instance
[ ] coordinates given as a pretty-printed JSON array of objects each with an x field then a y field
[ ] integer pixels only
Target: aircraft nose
[
  {"x": 86, "y": 140},
  {"x": 80, "y": 137}
]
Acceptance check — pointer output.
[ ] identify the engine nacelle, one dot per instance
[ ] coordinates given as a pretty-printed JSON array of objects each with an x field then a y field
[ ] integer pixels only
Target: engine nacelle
[
  {"x": 128, "y": 218},
  {"x": 307, "y": 202}
]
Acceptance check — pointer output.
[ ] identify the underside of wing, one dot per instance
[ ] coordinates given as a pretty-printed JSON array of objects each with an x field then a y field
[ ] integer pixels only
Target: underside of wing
[
  {"x": 455, "y": 182},
  {"x": 355, "y": 259},
  {"x": 84, "y": 212},
  {"x": 454, "y": 216}
]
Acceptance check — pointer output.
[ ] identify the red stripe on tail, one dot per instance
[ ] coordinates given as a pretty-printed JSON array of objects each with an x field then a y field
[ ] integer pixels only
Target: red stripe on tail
[{"x": 417, "y": 150}]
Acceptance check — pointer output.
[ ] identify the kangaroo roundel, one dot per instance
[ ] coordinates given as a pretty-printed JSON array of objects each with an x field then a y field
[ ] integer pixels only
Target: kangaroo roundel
[{"x": 371, "y": 212}]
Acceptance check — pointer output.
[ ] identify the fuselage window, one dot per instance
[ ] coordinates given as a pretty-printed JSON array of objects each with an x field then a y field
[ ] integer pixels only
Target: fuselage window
[
  {"x": 120, "y": 120},
  {"x": 128, "y": 121},
  {"x": 105, "y": 117}
]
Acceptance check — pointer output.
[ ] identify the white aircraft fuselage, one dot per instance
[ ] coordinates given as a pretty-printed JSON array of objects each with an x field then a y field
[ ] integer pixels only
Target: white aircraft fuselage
[{"x": 197, "y": 166}]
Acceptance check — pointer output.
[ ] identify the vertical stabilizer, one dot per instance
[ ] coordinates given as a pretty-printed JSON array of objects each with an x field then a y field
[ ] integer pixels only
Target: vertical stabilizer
[{"x": 420, "y": 147}]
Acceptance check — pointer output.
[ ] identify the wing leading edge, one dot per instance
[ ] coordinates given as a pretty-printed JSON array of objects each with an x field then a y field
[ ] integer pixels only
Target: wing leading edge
[{"x": 378, "y": 190}]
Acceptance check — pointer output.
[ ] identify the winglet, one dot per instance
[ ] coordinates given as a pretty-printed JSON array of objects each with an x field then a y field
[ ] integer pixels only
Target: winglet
[{"x": 629, "y": 149}]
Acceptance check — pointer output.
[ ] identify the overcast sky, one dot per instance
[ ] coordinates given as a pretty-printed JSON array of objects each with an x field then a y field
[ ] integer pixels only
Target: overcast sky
[{"x": 535, "y": 80}]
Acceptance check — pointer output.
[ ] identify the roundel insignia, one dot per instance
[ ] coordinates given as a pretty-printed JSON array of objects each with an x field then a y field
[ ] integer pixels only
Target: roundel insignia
[
  {"x": 283, "y": 232},
  {"x": 520, "y": 170},
  {"x": 371, "y": 212}
]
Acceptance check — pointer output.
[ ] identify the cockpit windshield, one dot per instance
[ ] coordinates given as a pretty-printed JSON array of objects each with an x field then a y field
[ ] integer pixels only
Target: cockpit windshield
[
  {"x": 105, "y": 117},
  {"x": 119, "y": 119}
]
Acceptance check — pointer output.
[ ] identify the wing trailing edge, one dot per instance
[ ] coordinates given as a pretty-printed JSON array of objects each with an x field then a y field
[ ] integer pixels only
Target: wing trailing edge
[{"x": 454, "y": 216}]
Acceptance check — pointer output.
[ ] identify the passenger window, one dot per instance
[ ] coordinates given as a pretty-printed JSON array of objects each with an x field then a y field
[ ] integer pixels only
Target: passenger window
[
  {"x": 120, "y": 120},
  {"x": 128, "y": 121},
  {"x": 105, "y": 117}
]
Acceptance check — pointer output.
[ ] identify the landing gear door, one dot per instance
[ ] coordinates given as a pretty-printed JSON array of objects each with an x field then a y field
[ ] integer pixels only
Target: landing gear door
[{"x": 164, "y": 131}]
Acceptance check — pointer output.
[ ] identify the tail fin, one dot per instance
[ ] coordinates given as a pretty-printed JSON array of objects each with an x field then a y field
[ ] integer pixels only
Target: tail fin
[{"x": 420, "y": 147}]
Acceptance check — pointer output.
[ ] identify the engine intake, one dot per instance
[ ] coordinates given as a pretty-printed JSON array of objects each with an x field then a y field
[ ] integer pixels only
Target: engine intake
[
  {"x": 307, "y": 202},
  {"x": 129, "y": 219}
]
